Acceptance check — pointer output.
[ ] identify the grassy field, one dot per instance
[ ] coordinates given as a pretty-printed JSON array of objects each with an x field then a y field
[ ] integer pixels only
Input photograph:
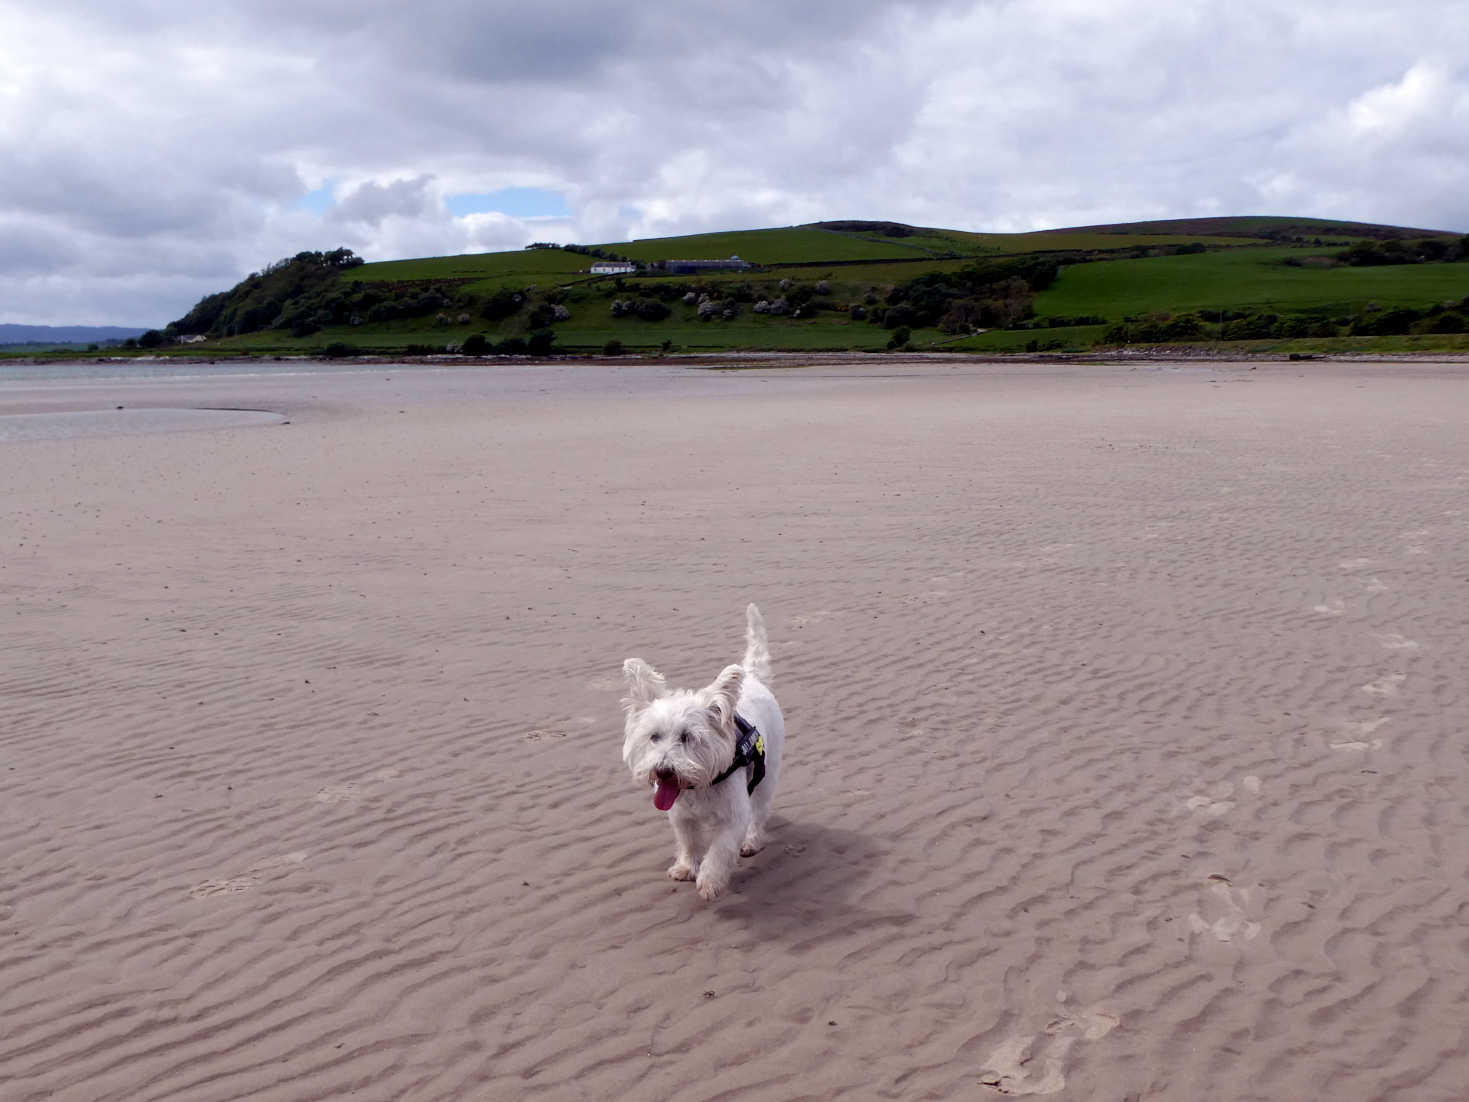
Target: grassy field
[
  {"x": 1077, "y": 338},
  {"x": 793, "y": 245},
  {"x": 1096, "y": 240},
  {"x": 1259, "y": 226},
  {"x": 514, "y": 269},
  {"x": 1243, "y": 279}
]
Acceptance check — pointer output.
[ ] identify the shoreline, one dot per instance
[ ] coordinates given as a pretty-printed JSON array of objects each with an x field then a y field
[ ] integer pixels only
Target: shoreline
[{"x": 1163, "y": 354}]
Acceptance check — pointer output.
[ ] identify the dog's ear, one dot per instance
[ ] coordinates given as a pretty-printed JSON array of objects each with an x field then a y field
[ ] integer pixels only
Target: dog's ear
[
  {"x": 721, "y": 697},
  {"x": 644, "y": 685}
]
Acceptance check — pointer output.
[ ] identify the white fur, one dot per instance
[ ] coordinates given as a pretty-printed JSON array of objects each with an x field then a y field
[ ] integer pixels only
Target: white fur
[{"x": 690, "y": 734}]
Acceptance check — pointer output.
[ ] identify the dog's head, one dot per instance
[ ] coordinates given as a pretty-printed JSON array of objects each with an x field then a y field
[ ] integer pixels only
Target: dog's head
[{"x": 678, "y": 739}]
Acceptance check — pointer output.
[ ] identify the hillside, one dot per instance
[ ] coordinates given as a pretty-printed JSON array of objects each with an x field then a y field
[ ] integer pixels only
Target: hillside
[{"x": 866, "y": 285}]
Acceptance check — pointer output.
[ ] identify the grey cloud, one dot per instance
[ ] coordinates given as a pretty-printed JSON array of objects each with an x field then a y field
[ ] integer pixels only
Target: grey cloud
[
  {"x": 372, "y": 202},
  {"x": 29, "y": 248},
  {"x": 163, "y": 144}
]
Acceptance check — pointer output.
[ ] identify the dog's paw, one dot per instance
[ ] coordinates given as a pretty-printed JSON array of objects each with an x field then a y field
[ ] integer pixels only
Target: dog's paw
[
  {"x": 680, "y": 870},
  {"x": 752, "y": 844},
  {"x": 710, "y": 889}
]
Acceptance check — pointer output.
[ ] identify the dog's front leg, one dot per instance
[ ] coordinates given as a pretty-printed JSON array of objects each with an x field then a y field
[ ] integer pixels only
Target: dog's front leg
[
  {"x": 685, "y": 864},
  {"x": 718, "y": 865}
]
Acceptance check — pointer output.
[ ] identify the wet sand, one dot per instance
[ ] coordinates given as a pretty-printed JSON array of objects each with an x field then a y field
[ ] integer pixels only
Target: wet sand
[{"x": 1126, "y": 734}]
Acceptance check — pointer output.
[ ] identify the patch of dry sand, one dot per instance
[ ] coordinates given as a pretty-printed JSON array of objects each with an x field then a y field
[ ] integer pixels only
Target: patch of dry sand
[{"x": 1126, "y": 755}]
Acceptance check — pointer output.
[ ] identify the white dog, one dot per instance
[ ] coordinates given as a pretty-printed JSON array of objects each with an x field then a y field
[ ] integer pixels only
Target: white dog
[{"x": 712, "y": 757}]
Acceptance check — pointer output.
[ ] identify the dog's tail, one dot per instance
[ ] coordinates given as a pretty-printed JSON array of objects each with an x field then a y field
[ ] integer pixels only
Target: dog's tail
[{"x": 757, "y": 645}]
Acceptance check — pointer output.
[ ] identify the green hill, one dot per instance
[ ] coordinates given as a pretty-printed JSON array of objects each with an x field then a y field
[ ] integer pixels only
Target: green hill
[{"x": 1274, "y": 282}]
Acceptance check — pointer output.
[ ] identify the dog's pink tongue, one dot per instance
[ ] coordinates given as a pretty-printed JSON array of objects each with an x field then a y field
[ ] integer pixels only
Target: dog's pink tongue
[{"x": 666, "y": 794}]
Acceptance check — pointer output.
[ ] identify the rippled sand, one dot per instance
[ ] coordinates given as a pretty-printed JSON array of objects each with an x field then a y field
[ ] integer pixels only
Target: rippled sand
[{"x": 1126, "y": 712}]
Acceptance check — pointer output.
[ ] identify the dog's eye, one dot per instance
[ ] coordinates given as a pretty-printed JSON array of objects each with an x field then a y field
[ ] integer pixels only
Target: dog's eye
[
  {"x": 655, "y": 738},
  {"x": 683, "y": 736}
]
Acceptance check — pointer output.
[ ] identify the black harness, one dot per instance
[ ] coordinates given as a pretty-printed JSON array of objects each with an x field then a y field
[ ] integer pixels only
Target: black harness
[{"x": 749, "y": 750}]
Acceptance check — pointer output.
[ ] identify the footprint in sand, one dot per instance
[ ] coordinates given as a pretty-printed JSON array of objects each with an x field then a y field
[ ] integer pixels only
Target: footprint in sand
[
  {"x": 1362, "y": 729},
  {"x": 1393, "y": 641},
  {"x": 1235, "y": 906},
  {"x": 1207, "y": 808},
  {"x": 1219, "y": 801},
  {"x": 1335, "y": 606},
  {"x": 1374, "y": 584},
  {"x": 351, "y": 790},
  {"x": 1385, "y": 686},
  {"x": 1354, "y": 564},
  {"x": 1036, "y": 1064},
  {"x": 605, "y": 684},
  {"x": 252, "y": 876}
]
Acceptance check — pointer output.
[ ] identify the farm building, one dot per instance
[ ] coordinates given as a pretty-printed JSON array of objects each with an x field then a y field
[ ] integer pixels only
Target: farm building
[
  {"x": 613, "y": 267},
  {"x": 694, "y": 267}
]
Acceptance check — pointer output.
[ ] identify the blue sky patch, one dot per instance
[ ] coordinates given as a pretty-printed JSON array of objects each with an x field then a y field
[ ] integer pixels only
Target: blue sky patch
[
  {"x": 316, "y": 201},
  {"x": 518, "y": 202}
]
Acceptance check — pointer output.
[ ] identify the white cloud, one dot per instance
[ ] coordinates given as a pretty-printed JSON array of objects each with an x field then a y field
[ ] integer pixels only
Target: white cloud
[{"x": 156, "y": 151}]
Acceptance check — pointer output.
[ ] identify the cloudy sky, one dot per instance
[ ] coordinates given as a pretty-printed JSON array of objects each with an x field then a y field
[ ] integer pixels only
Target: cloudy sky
[{"x": 153, "y": 151}]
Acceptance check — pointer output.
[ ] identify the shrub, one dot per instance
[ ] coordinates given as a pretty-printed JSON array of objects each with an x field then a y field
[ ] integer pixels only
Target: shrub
[
  {"x": 1184, "y": 327},
  {"x": 899, "y": 338},
  {"x": 541, "y": 343},
  {"x": 1384, "y": 323},
  {"x": 612, "y": 348},
  {"x": 337, "y": 349},
  {"x": 900, "y": 316},
  {"x": 502, "y": 304},
  {"x": 475, "y": 345},
  {"x": 1251, "y": 328}
]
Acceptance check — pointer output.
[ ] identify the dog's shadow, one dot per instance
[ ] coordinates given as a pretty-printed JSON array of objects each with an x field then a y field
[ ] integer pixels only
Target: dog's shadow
[{"x": 807, "y": 874}]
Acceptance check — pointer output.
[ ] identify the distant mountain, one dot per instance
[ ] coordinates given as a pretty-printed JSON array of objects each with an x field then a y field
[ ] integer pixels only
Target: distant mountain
[{"x": 67, "y": 334}]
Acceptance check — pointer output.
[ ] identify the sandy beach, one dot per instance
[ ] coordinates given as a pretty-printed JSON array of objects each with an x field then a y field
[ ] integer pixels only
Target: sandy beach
[{"x": 1126, "y": 711}]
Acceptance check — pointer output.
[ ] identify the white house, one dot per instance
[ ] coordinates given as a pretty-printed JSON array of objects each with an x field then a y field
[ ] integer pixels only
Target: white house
[{"x": 613, "y": 267}]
